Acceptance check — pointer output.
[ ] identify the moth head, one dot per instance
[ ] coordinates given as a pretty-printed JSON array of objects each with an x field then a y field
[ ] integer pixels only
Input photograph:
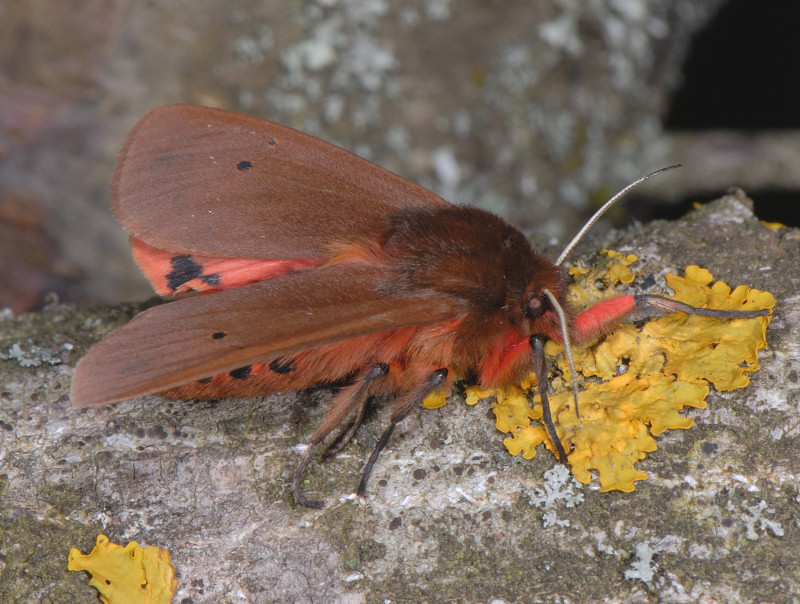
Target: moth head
[{"x": 544, "y": 307}]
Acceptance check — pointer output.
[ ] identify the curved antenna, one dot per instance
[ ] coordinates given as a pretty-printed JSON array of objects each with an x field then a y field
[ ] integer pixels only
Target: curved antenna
[
  {"x": 590, "y": 223},
  {"x": 562, "y": 319}
]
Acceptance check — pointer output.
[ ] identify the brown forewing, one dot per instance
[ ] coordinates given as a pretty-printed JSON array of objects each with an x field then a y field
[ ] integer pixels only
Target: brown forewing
[
  {"x": 197, "y": 337},
  {"x": 197, "y": 180}
]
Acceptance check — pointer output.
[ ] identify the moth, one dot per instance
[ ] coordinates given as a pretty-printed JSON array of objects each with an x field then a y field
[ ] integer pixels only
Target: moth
[{"x": 312, "y": 266}]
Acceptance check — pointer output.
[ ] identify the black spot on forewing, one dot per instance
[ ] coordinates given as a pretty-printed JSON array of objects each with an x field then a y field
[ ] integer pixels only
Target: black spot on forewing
[
  {"x": 240, "y": 374},
  {"x": 244, "y": 165},
  {"x": 213, "y": 279},
  {"x": 218, "y": 335},
  {"x": 280, "y": 365},
  {"x": 184, "y": 269},
  {"x": 204, "y": 381}
]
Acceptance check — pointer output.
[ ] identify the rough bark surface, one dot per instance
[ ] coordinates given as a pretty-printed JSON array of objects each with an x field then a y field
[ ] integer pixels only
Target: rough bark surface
[{"x": 450, "y": 515}]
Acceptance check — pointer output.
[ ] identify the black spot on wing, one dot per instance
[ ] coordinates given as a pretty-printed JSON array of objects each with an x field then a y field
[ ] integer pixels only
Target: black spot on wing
[
  {"x": 244, "y": 165},
  {"x": 184, "y": 269},
  {"x": 281, "y": 365},
  {"x": 212, "y": 279},
  {"x": 204, "y": 381},
  {"x": 218, "y": 335},
  {"x": 242, "y": 373}
]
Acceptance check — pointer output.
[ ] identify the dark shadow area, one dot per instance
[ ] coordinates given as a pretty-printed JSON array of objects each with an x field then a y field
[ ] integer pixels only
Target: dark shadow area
[
  {"x": 738, "y": 75},
  {"x": 741, "y": 70}
]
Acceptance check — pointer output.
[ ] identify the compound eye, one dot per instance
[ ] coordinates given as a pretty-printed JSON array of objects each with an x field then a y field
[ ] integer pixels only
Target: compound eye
[{"x": 536, "y": 307}]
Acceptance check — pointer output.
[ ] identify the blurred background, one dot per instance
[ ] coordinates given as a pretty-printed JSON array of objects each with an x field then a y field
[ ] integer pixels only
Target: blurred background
[{"x": 536, "y": 109}]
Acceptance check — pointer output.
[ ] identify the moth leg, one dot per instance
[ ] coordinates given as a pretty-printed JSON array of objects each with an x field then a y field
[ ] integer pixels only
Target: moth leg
[
  {"x": 603, "y": 316},
  {"x": 402, "y": 408},
  {"x": 377, "y": 371},
  {"x": 354, "y": 395},
  {"x": 669, "y": 305},
  {"x": 344, "y": 439},
  {"x": 540, "y": 367},
  {"x": 299, "y": 498}
]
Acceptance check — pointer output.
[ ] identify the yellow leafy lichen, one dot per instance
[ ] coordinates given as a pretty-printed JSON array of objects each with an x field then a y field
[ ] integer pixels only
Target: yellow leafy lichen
[
  {"x": 618, "y": 271},
  {"x": 435, "y": 400},
  {"x": 127, "y": 575},
  {"x": 613, "y": 272},
  {"x": 635, "y": 382}
]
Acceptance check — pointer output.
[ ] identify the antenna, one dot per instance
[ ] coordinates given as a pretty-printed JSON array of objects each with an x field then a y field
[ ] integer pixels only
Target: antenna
[
  {"x": 590, "y": 223},
  {"x": 562, "y": 319}
]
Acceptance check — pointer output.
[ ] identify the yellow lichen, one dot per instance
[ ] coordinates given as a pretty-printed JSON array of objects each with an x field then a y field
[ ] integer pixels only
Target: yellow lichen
[
  {"x": 435, "y": 400},
  {"x": 635, "y": 382},
  {"x": 618, "y": 271},
  {"x": 597, "y": 280},
  {"x": 127, "y": 575}
]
